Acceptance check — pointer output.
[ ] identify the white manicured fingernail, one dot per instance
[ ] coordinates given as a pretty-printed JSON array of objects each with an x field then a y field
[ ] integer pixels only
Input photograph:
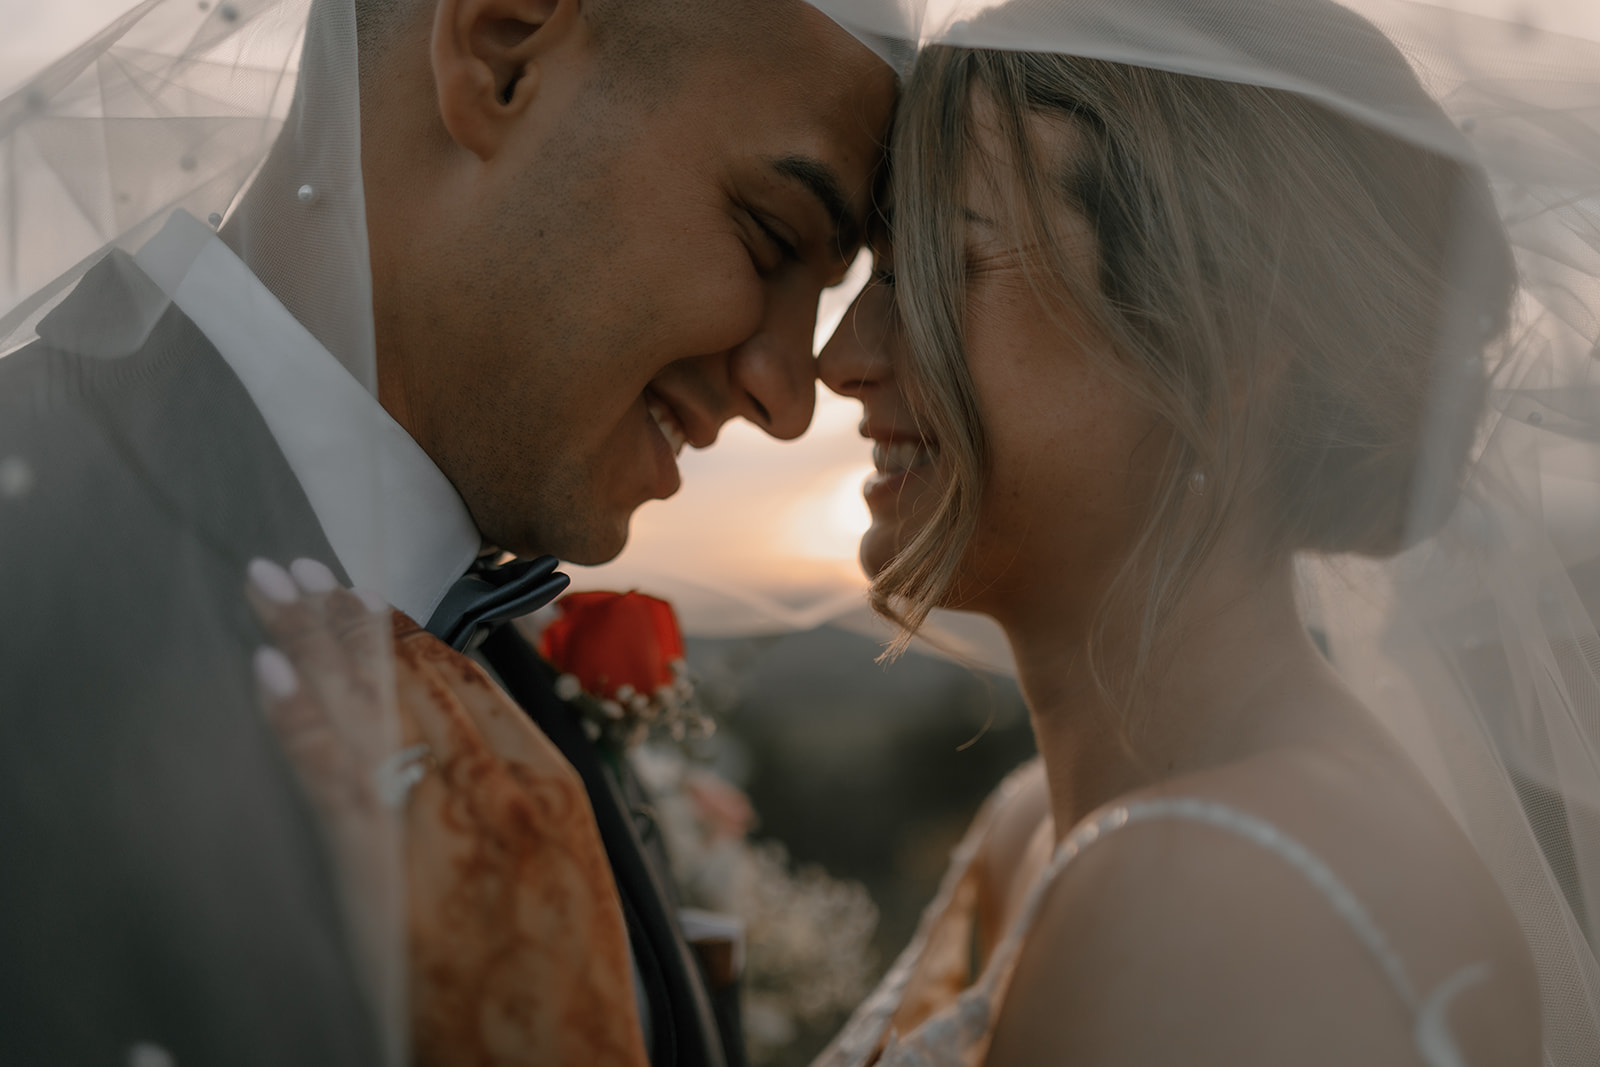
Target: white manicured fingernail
[
  {"x": 273, "y": 582},
  {"x": 275, "y": 673},
  {"x": 313, "y": 577},
  {"x": 372, "y": 601}
]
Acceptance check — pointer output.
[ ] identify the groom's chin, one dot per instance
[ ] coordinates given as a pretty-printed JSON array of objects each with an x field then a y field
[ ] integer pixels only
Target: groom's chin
[
  {"x": 601, "y": 543},
  {"x": 584, "y": 540}
]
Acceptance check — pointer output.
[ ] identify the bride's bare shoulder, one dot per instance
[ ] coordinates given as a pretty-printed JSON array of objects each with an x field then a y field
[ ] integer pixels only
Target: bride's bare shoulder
[
  {"x": 1175, "y": 941},
  {"x": 1014, "y": 849}
]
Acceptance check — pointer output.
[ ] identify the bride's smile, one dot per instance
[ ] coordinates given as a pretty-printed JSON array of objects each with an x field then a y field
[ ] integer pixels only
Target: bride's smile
[
  {"x": 897, "y": 463},
  {"x": 1068, "y": 452}
]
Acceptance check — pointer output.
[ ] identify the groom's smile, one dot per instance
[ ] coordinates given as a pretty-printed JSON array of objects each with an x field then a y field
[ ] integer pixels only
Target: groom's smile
[
  {"x": 667, "y": 422},
  {"x": 664, "y": 441},
  {"x": 609, "y": 252}
]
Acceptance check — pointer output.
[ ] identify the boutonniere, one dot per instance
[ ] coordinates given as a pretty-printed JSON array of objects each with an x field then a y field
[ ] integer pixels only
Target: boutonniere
[{"x": 620, "y": 658}]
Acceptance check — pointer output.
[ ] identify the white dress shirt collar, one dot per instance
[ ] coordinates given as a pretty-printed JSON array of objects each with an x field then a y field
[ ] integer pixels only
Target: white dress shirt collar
[{"x": 394, "y": 520}]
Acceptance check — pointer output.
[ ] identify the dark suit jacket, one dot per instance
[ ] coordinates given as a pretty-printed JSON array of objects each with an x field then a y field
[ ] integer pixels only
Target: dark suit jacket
[{"x": 161, "y": 879}]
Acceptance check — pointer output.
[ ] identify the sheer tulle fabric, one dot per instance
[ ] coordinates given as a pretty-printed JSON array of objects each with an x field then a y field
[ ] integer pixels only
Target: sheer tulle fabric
[{"x": 183, "y": 105}]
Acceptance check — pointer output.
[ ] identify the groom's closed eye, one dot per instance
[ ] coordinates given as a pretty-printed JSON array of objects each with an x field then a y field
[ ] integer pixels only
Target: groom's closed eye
[
  {"x": 825, "y": 192},
  {"x": 778, "y": 247}
]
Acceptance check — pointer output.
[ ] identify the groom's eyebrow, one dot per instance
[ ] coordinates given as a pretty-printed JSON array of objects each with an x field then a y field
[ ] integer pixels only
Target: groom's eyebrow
[{"x": 823, "y": 183}]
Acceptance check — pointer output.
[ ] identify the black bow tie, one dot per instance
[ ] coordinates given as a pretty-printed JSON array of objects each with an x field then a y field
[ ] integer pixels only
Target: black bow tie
[{"x": 489, "y": 595}]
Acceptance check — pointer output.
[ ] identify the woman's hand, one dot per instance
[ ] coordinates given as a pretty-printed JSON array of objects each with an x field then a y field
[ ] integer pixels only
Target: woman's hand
[{"x": 518, "y": 952}]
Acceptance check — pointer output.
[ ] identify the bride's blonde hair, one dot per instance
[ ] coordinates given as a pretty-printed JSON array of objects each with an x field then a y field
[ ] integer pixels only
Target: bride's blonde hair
[{"x": 1283, "y": 286}]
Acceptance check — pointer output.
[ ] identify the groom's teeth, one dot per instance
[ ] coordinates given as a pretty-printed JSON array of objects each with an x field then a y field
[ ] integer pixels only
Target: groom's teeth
[
  {"x": 898, "y": 457},
  {"x": 668, "y": 425}
]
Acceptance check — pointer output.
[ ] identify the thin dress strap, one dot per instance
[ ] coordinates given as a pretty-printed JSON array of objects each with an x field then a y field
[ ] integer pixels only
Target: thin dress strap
[{"x": 959, "y": 1035}]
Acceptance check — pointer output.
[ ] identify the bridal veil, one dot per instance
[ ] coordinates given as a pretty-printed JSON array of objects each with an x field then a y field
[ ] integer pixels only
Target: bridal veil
[{"x": 1477, "y": 646}]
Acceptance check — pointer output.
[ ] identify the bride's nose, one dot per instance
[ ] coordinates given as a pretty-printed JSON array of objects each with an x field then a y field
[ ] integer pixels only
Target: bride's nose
[{"x": 858, "y": 356}]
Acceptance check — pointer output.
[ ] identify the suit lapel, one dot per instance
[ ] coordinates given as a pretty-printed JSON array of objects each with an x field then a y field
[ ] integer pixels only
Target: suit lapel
[{"x": 681, "y": 1014}]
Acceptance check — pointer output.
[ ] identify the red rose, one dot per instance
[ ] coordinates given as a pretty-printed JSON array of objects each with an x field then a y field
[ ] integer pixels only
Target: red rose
[{"x": 618, "y": 645}]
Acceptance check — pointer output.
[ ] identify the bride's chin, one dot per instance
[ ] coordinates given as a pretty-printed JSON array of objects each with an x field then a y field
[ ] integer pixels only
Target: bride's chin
[{"x": 878, "y": 546}]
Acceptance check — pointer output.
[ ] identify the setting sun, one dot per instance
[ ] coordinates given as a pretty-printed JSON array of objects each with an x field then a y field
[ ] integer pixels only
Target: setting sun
[{"x": 829, "y": 524}]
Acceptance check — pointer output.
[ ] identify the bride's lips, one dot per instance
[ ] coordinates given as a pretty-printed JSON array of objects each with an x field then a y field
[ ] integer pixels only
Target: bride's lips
[{"x": 898, "y": 459}]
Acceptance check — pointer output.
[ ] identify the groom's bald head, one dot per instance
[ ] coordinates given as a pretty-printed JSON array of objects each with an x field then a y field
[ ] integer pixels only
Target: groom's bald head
[{"x": 647, "y": 42}]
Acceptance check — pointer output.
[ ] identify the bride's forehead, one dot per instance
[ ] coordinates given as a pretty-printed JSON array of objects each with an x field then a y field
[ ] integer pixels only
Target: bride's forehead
[{"x": 1055, "y": 147}]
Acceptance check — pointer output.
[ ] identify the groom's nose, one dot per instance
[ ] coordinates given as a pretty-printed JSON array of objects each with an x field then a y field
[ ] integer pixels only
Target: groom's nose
[{"x": 773, "y": 375}]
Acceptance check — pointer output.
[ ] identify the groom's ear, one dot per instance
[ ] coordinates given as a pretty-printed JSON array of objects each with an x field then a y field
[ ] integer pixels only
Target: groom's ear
[{"x": 493, "y": 58}]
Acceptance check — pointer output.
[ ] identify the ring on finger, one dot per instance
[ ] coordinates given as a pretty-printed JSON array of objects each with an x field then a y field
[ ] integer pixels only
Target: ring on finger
[{"x": 396, "y": 776}]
